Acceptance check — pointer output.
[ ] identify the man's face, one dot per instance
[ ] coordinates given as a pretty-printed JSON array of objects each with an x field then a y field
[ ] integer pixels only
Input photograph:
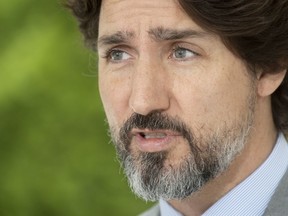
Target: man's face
[{"x": 179, "y": 104}]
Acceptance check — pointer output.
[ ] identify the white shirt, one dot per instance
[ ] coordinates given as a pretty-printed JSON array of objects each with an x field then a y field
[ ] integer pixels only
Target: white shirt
[{"x": 251, "y": 196}]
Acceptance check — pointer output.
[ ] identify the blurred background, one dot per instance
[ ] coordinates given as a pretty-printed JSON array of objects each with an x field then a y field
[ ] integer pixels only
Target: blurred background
[{"x": 55, "y": 158}]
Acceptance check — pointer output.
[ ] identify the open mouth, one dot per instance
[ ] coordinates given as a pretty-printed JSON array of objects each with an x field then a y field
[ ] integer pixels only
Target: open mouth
[
  {"x": 152, "y": 135},
  {"x": 153, "y": 140}
]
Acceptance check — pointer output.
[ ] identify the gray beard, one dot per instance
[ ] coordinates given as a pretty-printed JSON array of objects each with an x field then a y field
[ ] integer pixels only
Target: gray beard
[{"x": 210, "y": 155}]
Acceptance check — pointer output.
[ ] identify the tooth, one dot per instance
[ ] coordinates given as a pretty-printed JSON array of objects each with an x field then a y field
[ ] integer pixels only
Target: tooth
[{"x": 155, "y": 135}]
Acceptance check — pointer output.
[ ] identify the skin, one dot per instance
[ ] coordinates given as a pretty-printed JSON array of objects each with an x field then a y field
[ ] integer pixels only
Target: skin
[{"x": 202, "y": 83}]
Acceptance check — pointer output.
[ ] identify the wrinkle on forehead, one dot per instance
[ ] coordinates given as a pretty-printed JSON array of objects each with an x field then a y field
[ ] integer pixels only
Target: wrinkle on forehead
[
  {"x": 122, "y": 21},
  {"x": 111, "y": 8}
]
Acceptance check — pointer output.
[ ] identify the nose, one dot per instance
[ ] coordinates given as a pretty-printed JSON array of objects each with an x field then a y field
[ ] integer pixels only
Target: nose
[{"x": 150, "y": 89}]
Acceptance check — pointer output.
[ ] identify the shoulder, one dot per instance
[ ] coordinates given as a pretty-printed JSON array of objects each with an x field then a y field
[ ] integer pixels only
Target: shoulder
[{"x": 154, "y": 211}]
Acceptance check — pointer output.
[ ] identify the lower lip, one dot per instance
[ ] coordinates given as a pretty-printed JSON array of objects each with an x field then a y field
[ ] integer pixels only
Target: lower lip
[{"x": 153, "y": 144}]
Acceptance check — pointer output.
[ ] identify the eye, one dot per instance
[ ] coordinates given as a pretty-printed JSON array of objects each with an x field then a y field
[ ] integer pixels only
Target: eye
[
  {"x": 117, "y": 55},
  {"x": 180, "y": 53}
]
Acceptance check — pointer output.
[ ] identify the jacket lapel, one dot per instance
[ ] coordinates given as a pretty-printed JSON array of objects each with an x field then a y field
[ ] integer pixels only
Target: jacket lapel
[{"x": 278, "y": 206}]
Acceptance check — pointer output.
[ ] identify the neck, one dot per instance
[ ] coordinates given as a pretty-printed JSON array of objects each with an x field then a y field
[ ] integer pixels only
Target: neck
[{"x": 256, "y": 151}]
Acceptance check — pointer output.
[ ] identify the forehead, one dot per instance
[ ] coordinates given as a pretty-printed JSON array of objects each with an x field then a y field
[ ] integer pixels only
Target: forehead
[
  {"x": 113, "y": 7},
  {"x": 127, "y": 15}
]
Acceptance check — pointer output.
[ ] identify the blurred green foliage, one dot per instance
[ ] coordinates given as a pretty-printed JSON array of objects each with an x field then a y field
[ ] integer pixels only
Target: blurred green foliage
[{"x": 55, "y": 158}]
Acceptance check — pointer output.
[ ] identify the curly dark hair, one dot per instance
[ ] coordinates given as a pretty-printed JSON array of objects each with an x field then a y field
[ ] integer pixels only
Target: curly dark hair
[{"x": 254, "y": 30}]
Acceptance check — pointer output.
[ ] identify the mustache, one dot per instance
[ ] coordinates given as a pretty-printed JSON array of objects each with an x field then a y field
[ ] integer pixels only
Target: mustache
[{"x": 153, "y": 121}]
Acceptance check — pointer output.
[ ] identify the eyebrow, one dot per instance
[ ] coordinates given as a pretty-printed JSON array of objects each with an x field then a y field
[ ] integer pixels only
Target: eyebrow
[
  {"x": 157, "y": 34},
  {"x": 166, "y": 34},
  {"x": 116, "y": 38}
]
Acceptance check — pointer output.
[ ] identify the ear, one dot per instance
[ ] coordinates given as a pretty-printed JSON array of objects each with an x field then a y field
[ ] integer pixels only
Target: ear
[{"x": 269, "y": 82}]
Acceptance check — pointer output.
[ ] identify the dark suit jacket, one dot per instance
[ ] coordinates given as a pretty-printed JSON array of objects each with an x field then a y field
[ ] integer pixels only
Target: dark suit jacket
[{"x": 278, "y": 205}]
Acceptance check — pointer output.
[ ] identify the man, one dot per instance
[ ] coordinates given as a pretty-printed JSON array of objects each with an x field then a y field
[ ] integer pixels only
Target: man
[{"x": 196, "y": 97}]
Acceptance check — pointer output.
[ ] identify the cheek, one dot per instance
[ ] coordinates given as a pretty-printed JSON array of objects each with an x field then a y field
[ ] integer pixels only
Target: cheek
[
  {"x": 114, "y": 93},
  {"x": 213, "y": 100}
]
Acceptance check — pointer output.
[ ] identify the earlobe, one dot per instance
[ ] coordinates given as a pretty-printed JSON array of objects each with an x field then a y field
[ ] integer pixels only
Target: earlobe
[{"x": 269, "y": 82}]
